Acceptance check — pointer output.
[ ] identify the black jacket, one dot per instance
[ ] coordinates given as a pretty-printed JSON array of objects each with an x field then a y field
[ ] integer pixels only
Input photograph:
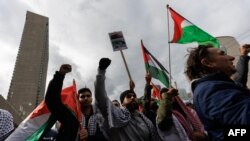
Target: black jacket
[{"x": 69, "y": 123}]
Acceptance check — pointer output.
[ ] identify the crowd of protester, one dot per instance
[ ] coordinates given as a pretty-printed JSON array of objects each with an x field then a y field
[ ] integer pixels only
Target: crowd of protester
[{"x": 220, "y": 99}]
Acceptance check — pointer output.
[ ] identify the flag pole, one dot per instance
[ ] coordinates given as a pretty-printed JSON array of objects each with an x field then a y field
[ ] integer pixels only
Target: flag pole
[
  {"x": 77, "y": 106},
  {"x": 169, "y": 47},
  {"x": 125, "y": 63}
]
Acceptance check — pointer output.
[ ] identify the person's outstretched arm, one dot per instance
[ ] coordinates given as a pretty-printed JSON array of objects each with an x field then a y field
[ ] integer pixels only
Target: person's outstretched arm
[
  {"x": 100, "y": 90},
  {"x": 242, "y": 66},
  {"x": 164, "y": 114},
  {"x": 116, "y": 117},
  {"x": 53, "y": 94},
  {"x": 69, "y": 123},
  {"x": 147, "y": 94}
]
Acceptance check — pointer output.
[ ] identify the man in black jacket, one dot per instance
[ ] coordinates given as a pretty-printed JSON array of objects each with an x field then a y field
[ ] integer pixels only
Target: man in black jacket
[{"x": 69, "y": 123}]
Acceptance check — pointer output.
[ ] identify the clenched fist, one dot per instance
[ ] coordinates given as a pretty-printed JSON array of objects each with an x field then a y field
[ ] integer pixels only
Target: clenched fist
[
  {"x": 104, "y": 63},
  {"x": 65, "y": 68}
]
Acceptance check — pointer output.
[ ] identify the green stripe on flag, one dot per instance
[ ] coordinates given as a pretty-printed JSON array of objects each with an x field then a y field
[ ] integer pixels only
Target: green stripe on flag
[
  {"x": 158, "y": 74},
  {"x": 155, "y": 68},
  {"x": 186, "y": 32},
  {"x": 192, "y": 33},
  {"x": 37, "y": 135}
]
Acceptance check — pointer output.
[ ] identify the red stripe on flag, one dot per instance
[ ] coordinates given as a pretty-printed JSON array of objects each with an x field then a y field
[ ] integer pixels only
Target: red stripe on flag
[
  {"x": 69, "y": 98},
  {"x": 40, "y": 110},
  {"x": 146, "y": 58},
  {"x": 156, "y": 92},
  {"x": 178, "y": 19}
]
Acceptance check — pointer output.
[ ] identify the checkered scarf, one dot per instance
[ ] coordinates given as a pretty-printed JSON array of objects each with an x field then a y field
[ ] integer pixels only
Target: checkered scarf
[
  {"x": 119, "y": 117},
  {"x": 121, "y": 121},
  {"x": 196, "y": 124},
  {"x": 168, "y": 134},
  {"x": 95, "y": 120},
  {"x": 154, "y": 134},
  {"x": 91, "y": 124},
  {"x": 190, "y": 123},
  {"x": 6, "y": 123},
  {"x": 183, "y": 122}
]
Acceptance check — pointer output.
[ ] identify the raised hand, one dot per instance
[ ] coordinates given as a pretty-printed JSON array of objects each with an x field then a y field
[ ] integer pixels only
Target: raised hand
[
  {"x": 148, "y": 78},
  {"x": 171, "y": 92},
  {"x": 104, "y": 63},
  {"x": 245, "y": 49},
  {"x": 65, "y": 68}
]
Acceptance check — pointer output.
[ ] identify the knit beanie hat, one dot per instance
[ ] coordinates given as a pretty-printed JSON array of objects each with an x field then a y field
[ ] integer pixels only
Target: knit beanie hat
[
  {"x": 124, "y": 94},
  {"x": 6, "y": 122}
]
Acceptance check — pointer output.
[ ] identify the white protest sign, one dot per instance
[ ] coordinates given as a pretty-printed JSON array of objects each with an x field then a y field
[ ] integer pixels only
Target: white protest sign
[{"x": 117, "y": 41}]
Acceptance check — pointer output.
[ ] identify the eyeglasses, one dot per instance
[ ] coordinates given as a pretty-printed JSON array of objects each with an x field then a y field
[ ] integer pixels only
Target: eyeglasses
[{"x": 130, "y": 95}]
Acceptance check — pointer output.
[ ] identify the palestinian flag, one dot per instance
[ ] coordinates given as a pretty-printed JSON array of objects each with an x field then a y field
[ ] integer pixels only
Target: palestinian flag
[
  {"x": 156, "y": 92},
  {"x": 154, "y": 67},
  {"x": 186, "y": 32},
  {"x": 41, "y": 120}
]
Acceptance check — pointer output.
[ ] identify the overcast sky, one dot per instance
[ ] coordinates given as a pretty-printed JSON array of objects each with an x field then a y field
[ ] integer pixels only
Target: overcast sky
[{"x": 78, "y": 35}]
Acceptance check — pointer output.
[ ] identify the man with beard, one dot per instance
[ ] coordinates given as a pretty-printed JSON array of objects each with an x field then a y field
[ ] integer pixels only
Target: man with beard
[{"x": 125, "y": 123}]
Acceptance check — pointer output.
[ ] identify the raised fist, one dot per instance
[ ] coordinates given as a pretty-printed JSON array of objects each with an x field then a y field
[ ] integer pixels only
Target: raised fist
[
  {"x": 65, "y": 68},
  {"x": 148, "y": 78},
  {"x": 245, "y": 49},
  {"x": 171, "y": 92},
  {"x": 104, "y": 63}
]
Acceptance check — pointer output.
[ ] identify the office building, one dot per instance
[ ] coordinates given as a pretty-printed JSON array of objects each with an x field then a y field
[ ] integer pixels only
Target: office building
[{"x": 28, "y": 82}]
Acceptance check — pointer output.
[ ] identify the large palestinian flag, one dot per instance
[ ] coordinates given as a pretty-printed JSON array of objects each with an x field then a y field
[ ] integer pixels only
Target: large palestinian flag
[
  {"x": 186, "y": 32},
  {"x": 41, "y": 120}
]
